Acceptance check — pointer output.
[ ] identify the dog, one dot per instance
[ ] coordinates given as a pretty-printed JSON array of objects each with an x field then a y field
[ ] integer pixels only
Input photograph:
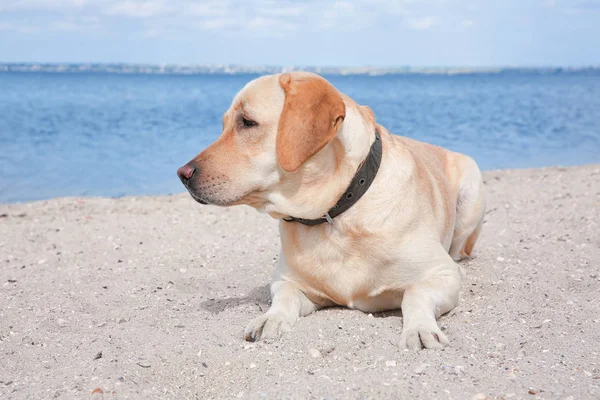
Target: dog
[{"x": 293, "y": 146}]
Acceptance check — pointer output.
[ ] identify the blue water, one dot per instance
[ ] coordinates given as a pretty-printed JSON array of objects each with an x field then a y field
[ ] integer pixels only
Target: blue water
[{"x": 113, "y": 135}]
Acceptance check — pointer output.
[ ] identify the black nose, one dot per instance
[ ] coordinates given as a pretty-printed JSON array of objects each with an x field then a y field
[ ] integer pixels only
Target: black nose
[{"x": 186, "y": 172}]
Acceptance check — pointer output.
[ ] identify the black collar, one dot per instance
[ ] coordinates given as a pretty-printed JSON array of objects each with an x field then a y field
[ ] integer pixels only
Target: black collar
[{"x": 357, "y": 188}]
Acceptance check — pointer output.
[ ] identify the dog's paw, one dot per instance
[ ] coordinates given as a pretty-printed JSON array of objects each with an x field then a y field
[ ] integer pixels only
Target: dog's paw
[
  {"x": 267, "y": 326},
  {"x": 423, "y": 337}
]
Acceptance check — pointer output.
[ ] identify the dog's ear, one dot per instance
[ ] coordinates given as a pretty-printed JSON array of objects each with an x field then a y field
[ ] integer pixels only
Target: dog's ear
[{"x": 312, "y": 113}]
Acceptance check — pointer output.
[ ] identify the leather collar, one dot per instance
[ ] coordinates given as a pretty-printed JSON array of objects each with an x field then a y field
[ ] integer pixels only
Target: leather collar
[{"x": 357, "y": 188}]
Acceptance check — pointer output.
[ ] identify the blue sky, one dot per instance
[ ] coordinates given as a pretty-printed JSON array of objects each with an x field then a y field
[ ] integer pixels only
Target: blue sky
[{"x": 313, "y": 32}]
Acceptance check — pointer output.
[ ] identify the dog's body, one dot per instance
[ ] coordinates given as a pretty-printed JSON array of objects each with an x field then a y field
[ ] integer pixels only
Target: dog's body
[{"x": 290, "y": 147}]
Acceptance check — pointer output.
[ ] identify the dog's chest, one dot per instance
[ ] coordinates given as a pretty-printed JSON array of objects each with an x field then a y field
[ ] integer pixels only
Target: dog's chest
[{"x": 350, "y": 270}]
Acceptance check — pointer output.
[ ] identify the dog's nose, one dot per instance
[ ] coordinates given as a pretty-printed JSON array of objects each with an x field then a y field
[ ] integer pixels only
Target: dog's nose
[{"x": 186, "y": 172}]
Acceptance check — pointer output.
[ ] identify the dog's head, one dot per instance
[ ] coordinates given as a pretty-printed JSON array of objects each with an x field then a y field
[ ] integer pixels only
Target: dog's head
[{"x": 277, "y": 137}]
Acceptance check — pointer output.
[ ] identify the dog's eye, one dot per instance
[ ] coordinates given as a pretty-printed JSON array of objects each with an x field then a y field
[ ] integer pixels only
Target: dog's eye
[{"x": 248, "y": 123}]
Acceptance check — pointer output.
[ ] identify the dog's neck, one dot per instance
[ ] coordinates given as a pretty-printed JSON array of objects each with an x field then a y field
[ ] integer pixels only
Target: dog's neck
[
  {"x": 356, "y": 134},
  {"x": 360, "y": 184},
  {"x": 323, "y": 179}
]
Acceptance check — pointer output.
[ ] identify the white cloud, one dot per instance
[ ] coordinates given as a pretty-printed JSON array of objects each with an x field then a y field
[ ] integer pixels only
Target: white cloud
[
  {"x": 285, "y": 11},
  {"x": 583, "y": 7},
  {"x": 339, "y": 14},
  {"x": 64, "y": 26},
  {"x": 55, "y": 26},
  {"x": 422, "y": 23},
  {"x": 79, "y": 24},
  {"x": 153, "y": 32},
  {"x": 573, "y": 6},
  {"x": 343, "y": 7},
  {"x": 467, "y": 23},
  {"x": 207, "y": 9},
  {"x": 217, "y": 23},
  {"x": 43, "y": 5},
  {"x": 139, "y": 9},
  {"x": 18, "y": 28},
  {"x": 261, "y": 22},
  {"x": 181, "y": 16}
]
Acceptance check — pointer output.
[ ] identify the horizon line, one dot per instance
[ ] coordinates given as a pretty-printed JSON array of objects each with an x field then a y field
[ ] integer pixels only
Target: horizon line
[
  {"x": 235, "y": 69},
  {"x": 491, "y": 66}
]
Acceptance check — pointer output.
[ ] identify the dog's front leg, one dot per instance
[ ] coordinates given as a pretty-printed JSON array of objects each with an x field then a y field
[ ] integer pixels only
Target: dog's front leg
[
  {"x": 289, "y": 303},
  {"x": 424, "y": 302}
]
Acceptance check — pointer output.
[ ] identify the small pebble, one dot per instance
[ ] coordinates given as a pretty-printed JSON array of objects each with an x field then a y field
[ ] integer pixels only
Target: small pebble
[
  {"x": 451, "y": 369},
  {"x": 390, "y": 363},
  {"x": 531, "y": 391},
  {"x": 252, "y": 365},
  {"x": 61, "y": 322},
  {"x": 479, "y": 396},
  {"x": 42, "y": 261},
  {"x": 500, "y": 346},
  {"x": 97, "y": 394},
  {"x": 27, "y": 340},
  {"x": 500, "y": 259},
  {"x": 419, "y": 369},
  {"x": 314, "y": 353}
]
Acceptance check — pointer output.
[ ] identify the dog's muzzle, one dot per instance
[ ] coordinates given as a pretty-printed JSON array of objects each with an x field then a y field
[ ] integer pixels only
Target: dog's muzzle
[{"x": 185, "y": 174}]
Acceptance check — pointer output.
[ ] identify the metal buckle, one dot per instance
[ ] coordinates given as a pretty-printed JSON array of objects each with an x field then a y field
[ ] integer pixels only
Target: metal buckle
[{"x": 328, "y": 218}]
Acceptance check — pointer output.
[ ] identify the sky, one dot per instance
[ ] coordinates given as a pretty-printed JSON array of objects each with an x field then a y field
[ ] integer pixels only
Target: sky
[{"x": 381, "y": 33}]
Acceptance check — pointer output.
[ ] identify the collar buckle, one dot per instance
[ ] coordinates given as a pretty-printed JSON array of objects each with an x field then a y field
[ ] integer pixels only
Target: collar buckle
[{"x": 328, "y": 218}]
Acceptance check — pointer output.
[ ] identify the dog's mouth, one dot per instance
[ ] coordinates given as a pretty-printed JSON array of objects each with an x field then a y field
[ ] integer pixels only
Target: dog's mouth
[
  {"x": 197, "y": 198},
  {"x": 246, "y": 198}
]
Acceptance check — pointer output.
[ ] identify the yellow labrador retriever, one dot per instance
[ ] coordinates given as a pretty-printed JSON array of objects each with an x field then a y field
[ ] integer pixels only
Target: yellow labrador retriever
[{"x": 368, "y": 220}]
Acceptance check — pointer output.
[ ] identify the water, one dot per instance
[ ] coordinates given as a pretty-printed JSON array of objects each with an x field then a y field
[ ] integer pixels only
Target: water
[{"x": 113, "y": 135}]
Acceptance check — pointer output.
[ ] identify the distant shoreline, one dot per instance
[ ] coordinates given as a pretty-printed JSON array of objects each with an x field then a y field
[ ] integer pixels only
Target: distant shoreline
[{"x": 171, "y": 69}]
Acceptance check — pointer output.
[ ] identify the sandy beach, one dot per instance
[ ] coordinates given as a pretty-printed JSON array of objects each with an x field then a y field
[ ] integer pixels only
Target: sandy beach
[{"x": 148, "y": 297}]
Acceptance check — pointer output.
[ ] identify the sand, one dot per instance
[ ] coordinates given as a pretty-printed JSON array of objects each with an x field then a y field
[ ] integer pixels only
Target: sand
[{"x": 148, "y": 297}]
